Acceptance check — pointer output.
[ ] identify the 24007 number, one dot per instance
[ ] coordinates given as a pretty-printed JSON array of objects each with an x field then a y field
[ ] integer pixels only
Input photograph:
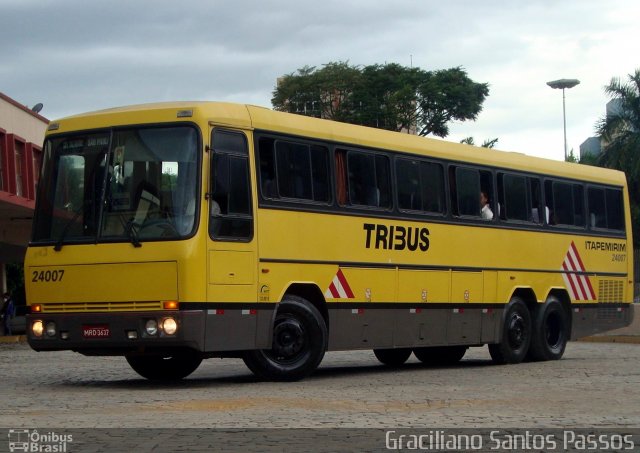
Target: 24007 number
[{"x": 47, "y": 276}]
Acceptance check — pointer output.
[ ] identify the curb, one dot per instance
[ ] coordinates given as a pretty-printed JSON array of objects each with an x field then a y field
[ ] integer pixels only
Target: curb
[
  {"x": 13, "y": 339},
  {"x": 629, "y": 339}
]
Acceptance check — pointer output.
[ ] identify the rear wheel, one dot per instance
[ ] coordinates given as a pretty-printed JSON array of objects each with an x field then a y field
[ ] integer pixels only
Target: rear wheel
[
  {"x": 299, "y": 343},
  {"x": 550, "y": 331},
  {"x": 392, "y": 357},
  {"x": 440, "y": 355},
  {"x": 170, "y": 367},
  {"x": 516, "y": 334}
]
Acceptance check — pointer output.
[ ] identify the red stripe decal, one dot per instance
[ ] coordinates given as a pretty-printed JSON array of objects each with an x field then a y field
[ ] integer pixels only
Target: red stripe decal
[{"x": 345, "y": 285}]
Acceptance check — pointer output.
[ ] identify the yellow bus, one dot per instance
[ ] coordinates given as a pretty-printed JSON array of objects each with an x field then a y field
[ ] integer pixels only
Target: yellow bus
[{"x": 174, "y": 232}]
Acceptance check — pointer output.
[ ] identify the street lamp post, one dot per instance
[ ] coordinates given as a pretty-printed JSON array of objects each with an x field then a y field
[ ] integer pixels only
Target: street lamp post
[{"x": 562, "y": 84}]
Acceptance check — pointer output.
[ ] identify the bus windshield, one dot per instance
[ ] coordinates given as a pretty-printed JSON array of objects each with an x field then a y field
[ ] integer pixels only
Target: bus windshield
[{"x": 129, "y": 184}]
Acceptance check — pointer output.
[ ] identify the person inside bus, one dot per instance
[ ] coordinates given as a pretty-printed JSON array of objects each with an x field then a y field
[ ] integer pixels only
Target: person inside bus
[{"x": 485, "y": 208}]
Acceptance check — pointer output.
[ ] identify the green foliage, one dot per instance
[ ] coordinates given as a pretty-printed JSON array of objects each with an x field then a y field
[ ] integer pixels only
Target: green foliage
[
  {"x": 488, "y": 143},
  {"x": 620, "y": 134},
  {"x": 589, "y": 159},
  {"x": 389, "y": 96},
  {"x": 571, "y": 157}
]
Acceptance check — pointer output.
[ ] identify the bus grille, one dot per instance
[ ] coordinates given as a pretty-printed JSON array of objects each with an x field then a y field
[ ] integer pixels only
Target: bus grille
[
  {"x": 610, "y": 291},
  {"x": 100, "y": 306}
]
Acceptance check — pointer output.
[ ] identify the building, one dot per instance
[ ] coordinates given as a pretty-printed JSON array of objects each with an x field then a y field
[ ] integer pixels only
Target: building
[
  {"x": 594, "y": 145},
  {"x": 590, "y": 147},
  {"x": 21, "y": 135}
]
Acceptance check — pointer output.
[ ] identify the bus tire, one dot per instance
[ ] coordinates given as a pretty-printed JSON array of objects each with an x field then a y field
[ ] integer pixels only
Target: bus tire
[
  {"x": 440, "y": 355},
  {"x": 516, "y": 334},
  {"x": 550, "y": 331},
  {"x": 170, "y": 367},
  {"x": 392, "y": 357},
  {"x": 299, "y": 343}
]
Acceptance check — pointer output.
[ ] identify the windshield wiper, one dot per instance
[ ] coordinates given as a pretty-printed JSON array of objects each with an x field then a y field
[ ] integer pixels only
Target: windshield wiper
[
  {"x": 129, "y": 228},
  {"x": 65, "y": 230}
]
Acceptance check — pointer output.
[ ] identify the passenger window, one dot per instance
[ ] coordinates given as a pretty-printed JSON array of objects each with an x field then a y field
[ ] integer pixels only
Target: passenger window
[
  {"x": 513, "y": 198},
  {"x": 597, "y": 208},
  {"x": 369, "y": 181},
  {"x": 605, "y": 208},
  {"x": 409, "y": 187},
  {"x": 473, "y": 191},
  {"x": 566, "y": 203},
  {"x": 420, "y": 186},
  {"x": 230, "y": 199},
  {"x": 294, "y": 171},
  {"x": 615, "y": 213},
  {"x": 539, "y": 210}
]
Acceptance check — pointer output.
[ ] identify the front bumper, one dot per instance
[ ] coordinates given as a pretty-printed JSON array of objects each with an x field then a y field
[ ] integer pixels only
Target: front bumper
[{"x": 69, "y": 332}]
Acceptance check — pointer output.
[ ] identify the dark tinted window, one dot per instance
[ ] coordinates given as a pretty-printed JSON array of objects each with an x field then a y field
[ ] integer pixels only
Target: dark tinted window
[
  {"x": 420, "y": 186},
  {"x": 565, "y": 202},
  {"x": 615, "y": 213},
  {"x": 369, "y": 182},
  {"x": 605, "y": 208},
  {"x": 469, "y": 187},
  {"x": 230, "y": 206},
  {"x": 514, "y": 198},
  {"x": 294, "y": 170}
]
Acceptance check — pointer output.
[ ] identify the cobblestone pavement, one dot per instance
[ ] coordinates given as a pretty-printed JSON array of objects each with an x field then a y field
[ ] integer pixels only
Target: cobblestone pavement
[{"x": 594, "y": 385}]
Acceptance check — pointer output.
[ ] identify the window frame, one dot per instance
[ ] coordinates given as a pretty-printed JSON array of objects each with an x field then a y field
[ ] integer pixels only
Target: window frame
[
  {"x": 278, "y": 198},
  {"x": 553, "y": 212},
  {"x": 245, "y": 155},
  {"x": 348, "y": 151},
  {"x": 443, "y": 187},
  {"x": 604, "y": 189}
]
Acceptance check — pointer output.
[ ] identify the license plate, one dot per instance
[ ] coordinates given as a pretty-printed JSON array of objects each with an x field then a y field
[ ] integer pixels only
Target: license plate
[{"x": 101, "y": 331}]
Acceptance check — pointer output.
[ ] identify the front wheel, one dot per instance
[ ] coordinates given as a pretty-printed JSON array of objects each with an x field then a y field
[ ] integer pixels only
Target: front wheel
[
  {"x": 169, "y": 367},
  {"x": 550, "y": 331},
  {"x": 299, "y": 343},
  {"x": 392, "y": 357},
  {"x": 516, "y": 334}
]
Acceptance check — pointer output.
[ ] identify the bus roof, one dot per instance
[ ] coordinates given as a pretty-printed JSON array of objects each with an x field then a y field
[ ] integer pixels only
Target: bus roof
[{"x": 254, "y": 117}]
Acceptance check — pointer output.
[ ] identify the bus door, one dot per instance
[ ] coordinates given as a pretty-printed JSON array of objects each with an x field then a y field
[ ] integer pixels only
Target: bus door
[{"x": 231, "y": 245}]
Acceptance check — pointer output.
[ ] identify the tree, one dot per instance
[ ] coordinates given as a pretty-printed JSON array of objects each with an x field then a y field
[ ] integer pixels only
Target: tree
[
  {"x": 620, "y": 135},
  {"x": 571, "y": 157},
  {"x": 448, "y": 95},
  {"x": 389, "y": 96},
  {"x": 488, "y": 143}
]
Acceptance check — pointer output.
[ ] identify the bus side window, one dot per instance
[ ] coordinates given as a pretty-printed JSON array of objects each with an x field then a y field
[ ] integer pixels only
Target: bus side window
[
  {"x": 230, "y": 200},
  {"x": 513, "y": 198},
  {"x": 369, "y": 180},
  {"x": 537, "y": 206},
  {"x": 566, "y": 202},
  {"x": 268, "y": 183}
]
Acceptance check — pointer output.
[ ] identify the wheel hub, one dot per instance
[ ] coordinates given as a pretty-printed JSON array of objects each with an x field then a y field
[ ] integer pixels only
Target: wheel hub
[
  {"x": 516, "y": 331},
  {"x": 288, "y": 338}
]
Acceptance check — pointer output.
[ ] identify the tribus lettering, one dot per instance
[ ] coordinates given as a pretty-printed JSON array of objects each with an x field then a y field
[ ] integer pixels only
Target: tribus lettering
[{"x": 396, "y": 237}]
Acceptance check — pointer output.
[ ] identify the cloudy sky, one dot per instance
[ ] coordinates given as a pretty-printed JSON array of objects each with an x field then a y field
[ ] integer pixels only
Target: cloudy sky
[{"x": 79, "y": 55}]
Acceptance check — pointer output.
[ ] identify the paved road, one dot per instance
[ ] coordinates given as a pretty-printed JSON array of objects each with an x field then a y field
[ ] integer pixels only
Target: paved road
[{"x": 594, "y": 385}]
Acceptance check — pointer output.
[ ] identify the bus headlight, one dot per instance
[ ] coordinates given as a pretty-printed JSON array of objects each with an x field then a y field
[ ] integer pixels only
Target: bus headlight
[
  {"x": 151, "y": 327},
  {"x": 169, "y": 325},
  {"x": 51, "y": 329},
  {"x": 37, "y": 328}
]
